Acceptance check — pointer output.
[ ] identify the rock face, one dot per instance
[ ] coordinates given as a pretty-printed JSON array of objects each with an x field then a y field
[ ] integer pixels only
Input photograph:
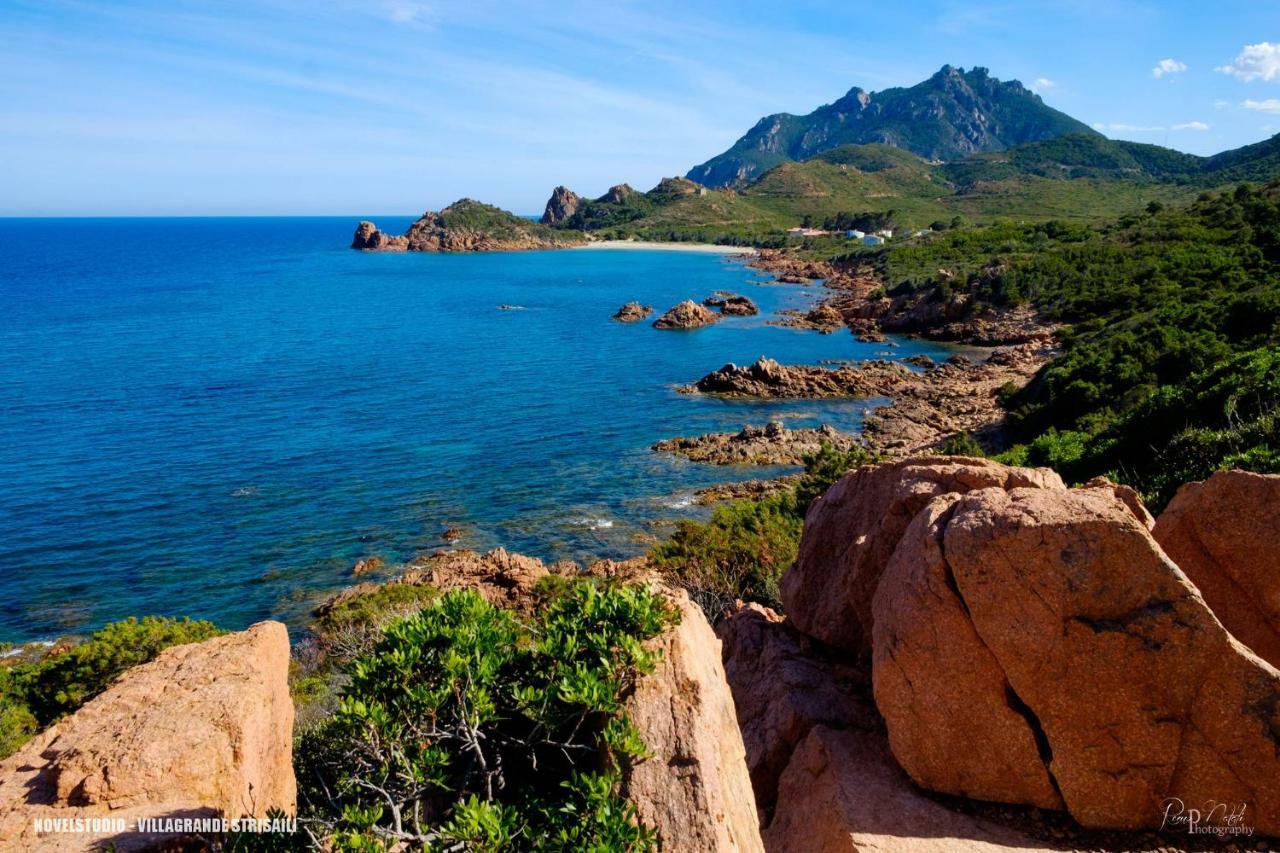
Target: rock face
[
  {"x": 560, "y": 207},
  {"x": 686, "y": 315},
  {"x": 842, "y": 793},
  {"x": 694, "y": 790},
  {"x": 783, "y": 686},
  {"x": 1075, "y": 634},
  {"x": 617, "y": 194},
  {"x": 368, "y": 237},
  {"x": 202, "y": 730},
  {"x": 732, "y": 304},
  {"x": 851, "y": 532},
  {"x": 772, "y": 444},
  {"x": 1222, "y": 533},
  {"x": 633, "y": 312}
]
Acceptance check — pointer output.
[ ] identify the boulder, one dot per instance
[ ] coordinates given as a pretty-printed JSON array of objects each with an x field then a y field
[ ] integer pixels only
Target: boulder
[
  {"x": 694, "y": 790},
  {"x": 1127, "y": 496},
  {"x": 503, "y": 578},
  {"x": 366, "y": 236},
  {"x": 617, "y": 194},
  {"x": 1222, "y": 534},
  {"x": 633, "y": 312},
  {"x": 686, "y": 315},
  {"x": 1060, "y": 608},
  {"x": 921, "y": 630},
  {"x": 852, "y": 530},
  {"x": 842, "y": 792},
  {"x": 560, "y": 207},
  {"x": 782, "y": 687},
  {"x": 205, "y": 729},
  {"x": 732, "y": 304}
]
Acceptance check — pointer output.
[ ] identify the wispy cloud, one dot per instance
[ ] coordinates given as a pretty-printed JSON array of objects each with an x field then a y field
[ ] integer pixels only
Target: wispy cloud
[
  {"x": 1270, "y": 106},
  {"x": 1121, "y": 127},
  {"x": 1168, "y": 66},
  {"x": 1190, "y": 125},
  {"x": 1259, "y": 61},
  {"x": 1222, "y": 105},
  {"x": 1042, "y": 84}
]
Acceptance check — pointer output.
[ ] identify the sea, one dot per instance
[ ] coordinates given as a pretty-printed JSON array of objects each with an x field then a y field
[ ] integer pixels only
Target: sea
[{"x": 216, "y": 417}]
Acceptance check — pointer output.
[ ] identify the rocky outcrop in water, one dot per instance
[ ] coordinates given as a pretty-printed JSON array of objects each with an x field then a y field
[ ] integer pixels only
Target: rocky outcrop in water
[
  {"x": 772, "y": 444},
  {"x": 560, "y": 207},
  {"x": 204, "y": 730},
  {"x": 767, "y": 379},
  {"x": 466, "y": 226},
  {"x": 686, "y": 315},
  {"x": 633, "y": 312},
  {"x": 732, "y": 304}
]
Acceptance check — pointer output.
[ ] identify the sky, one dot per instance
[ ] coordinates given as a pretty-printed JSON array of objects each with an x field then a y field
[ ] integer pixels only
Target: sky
[{"x": 327, "y": 107}]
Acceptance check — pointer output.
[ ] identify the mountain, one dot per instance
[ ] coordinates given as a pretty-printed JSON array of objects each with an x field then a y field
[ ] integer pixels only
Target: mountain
[
  {"x": 1257, "y": 162},
  {"x": 953, "y": 114}
]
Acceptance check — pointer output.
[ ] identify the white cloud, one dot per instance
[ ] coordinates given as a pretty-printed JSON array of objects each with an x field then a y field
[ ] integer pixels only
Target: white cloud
[
  {"x": 1190, "y": 125},
  {"x": 406, "y": 11},
  {"x": 1120, "y": 127},
  {"x": 1259, "y": 61},
  {"x": 1222, "y": 105},
  {"x": 1042, "y": 84},
  {"x": 1270, "y": 106},
  {"x": 1168, "y": 66}
]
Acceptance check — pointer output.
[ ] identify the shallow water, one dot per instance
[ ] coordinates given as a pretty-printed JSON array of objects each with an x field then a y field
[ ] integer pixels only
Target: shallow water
[{"x": 217, "y": 417}]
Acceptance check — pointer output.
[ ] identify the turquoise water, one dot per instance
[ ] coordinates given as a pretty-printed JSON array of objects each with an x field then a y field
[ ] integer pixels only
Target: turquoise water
[{"x": 217, "y": 417}]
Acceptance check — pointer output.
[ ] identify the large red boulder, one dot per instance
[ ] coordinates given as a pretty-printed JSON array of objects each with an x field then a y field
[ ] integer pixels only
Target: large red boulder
[
  {"x": 852, "y": 530},
  {"x": 1059, "y": 608},
  {"x": 1223, "y": 534}
]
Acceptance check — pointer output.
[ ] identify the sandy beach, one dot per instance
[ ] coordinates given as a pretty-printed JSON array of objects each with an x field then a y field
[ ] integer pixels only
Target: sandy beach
[{"x": 711, "y": 248}]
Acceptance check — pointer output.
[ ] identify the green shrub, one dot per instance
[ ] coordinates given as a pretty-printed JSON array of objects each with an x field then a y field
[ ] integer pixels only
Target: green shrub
[
  {"x": 33, "y": 695},
  {"x": 63, "y": 682},
  {"x": 963, "y": 444},
  {"x": 743, "y": 550},
  {"x": 350, "y": 627},
  {"x": 469, "y": 728}
]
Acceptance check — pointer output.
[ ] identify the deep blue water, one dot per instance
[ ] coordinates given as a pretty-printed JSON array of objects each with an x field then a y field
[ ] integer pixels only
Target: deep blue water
[{"x": 217, "y": 417}]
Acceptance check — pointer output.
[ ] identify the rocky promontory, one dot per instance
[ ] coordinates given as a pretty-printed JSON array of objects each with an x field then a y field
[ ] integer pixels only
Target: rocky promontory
[
  {"x": 772, "y": 444},
  {"x": 466, "y": 226},
  {"x": 732, "y": 304},
  {"x": 686, "y": 315},
  {"x": 560, "y": 207},
  {"x": 767, "y": 379}
]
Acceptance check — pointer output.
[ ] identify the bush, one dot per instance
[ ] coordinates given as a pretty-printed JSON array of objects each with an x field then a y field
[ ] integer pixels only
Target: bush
[
  {"x": 469, "y": 728},
  {"x": 963, "y": 444},
  {"x": 33, "y": 695},
  {"x": 352, "y": 626},
  {"x": 743, "y": 550}
]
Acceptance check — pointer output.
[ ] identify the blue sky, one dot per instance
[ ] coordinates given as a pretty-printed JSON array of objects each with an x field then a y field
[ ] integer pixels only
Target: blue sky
[{"x": 396, "y": 106}]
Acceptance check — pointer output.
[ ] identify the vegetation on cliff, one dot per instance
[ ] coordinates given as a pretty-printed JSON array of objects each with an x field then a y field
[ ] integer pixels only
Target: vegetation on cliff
[
  {"x": 470, "y": 725},
  {"x": 35, "y": 694},
  {"x": 742, "y": 551}
]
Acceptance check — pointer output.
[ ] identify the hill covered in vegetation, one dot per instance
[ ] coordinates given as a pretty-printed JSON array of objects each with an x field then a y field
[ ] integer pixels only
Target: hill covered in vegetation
[{"x": 951, "y": 115}]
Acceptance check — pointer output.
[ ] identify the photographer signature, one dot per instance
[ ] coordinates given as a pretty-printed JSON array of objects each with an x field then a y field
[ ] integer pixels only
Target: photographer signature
[{"x": 1212, "y": 818}]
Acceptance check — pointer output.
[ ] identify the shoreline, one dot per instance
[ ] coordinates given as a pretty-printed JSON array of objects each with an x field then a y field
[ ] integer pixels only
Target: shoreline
[{"x": 708, "y": 248}]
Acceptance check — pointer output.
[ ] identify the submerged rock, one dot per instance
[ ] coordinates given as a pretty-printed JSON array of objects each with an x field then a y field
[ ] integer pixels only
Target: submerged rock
[
  {"x": 633, "y": 312},
  {"x": 686, "y": 315}
]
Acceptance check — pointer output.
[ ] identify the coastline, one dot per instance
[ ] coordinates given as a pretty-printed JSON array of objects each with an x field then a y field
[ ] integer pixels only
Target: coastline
[{"x": 708, "y": 248}]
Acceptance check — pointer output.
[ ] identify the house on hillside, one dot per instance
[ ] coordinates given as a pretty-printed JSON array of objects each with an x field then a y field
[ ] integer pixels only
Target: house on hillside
[
  {"x": 872, "y": 240},
  {"x": 886, "y": 233}
]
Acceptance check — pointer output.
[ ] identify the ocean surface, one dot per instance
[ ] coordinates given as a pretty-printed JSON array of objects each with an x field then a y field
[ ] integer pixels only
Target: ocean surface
[{"x": 218, "y": 417}]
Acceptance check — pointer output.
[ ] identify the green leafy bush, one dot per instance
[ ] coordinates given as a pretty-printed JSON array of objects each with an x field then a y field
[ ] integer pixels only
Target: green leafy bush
[
  {"x": 33, "y": 695},
  {"x": 962, "y": 444},
  {"x": 353, "y": 625},
  {"x": 742, "y": 551},
  {"x": 468, "y": 727}
]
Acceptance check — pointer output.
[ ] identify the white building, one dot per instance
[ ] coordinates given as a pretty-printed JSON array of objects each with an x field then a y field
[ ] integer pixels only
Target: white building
[{"x": 886, "y": 233}]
